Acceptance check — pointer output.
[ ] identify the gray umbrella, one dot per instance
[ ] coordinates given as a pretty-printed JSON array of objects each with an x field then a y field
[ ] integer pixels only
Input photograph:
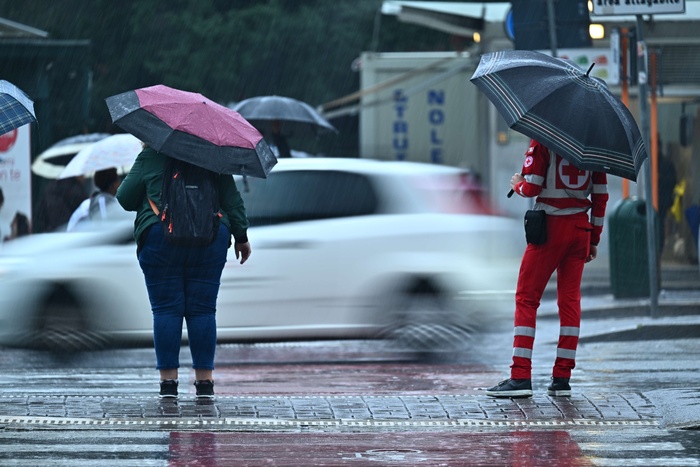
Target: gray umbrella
[
  {"x": 561, "y": 106},
  {"x": 295, "y": 117}
]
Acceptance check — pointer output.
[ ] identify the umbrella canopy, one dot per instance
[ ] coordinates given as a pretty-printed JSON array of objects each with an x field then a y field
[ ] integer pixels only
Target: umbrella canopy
[
  {"x": 558, "y": 104},
  {"x": 52, "y": 162},
  {"x": 16, "y": 108},
  {"x": 193, "y": 128},
  {"x": 117, "y": 151},
  {"x": 295, "y": 117}
]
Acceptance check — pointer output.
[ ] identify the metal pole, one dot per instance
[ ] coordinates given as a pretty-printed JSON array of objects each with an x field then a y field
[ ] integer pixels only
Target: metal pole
[
  {"x": 552, "y": 27},
  {"x": 644, "y": 111}
]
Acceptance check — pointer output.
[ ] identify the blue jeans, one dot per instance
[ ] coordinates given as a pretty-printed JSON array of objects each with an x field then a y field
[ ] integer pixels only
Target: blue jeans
[{"x": 183, "y": 283}]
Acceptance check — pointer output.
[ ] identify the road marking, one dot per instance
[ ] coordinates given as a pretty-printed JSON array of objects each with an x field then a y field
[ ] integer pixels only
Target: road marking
[
  {"x": 233, "y": 421},
  {"x": 664, "y": 446},
  {"x": 665, "y": 461}
]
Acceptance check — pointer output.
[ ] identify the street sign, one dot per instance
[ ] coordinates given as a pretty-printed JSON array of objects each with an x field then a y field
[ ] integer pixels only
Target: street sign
[{"x": 637, "y": 7}]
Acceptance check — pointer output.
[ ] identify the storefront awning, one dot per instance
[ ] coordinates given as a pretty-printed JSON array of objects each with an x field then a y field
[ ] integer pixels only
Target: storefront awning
[
  {"x": 10, "y": 28},
  {"x": 462, "y": 19}
]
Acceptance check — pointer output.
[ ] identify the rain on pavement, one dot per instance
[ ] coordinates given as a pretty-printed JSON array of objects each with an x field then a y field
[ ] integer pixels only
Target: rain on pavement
[{"x": 350, "y": 402}]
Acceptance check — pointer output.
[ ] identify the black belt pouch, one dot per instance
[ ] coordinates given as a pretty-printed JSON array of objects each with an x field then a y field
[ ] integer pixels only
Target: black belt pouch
[{"x": 536, "y": 226}]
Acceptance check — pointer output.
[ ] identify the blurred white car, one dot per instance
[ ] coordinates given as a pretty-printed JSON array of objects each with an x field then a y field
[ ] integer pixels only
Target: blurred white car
[{"x": 342, "y": 248}]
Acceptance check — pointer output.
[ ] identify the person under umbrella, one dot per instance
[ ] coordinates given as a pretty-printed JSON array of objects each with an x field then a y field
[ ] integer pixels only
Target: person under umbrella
[
  {"x": 279, "y": 140},
  {"x": 564, "y": 194},
  {"x": 183, "y": 280},
  {"x": 279, "y": 117}
]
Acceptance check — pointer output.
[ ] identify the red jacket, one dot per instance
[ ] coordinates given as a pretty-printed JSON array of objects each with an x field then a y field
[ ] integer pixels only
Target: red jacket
[{"x": 563, "y": 189}]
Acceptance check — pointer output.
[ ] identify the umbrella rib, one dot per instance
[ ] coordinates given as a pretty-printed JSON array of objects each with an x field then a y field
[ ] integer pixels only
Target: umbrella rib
[
  {"x": 576, "y": 150},
  {"x": 511, "y": 104}
]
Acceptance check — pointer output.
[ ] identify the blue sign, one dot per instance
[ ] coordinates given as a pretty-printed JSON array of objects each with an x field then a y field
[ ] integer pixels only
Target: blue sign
[{"x": 508, "y": 25}]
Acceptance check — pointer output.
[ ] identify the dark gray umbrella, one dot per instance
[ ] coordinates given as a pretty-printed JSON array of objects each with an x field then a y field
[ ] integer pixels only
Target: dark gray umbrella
[
  {"x": 295, "y": 117},
  {"x": 558, "y": 104},
  {"x": 16, "y": 108}
]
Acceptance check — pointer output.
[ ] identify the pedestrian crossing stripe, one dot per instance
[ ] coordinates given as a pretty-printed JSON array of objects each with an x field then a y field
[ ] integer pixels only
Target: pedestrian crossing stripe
[{"x": 658, "y": 446}]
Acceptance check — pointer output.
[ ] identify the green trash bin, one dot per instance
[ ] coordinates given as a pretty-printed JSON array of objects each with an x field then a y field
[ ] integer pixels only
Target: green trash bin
[{"x": 629, "y": 250}]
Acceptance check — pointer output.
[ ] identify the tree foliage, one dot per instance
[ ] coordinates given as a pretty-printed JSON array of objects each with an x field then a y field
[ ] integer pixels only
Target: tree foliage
[{"x": 227, "y": 50}]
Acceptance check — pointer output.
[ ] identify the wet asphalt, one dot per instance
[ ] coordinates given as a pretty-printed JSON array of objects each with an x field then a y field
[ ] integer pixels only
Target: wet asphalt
[{"x": 386, "y": 409}]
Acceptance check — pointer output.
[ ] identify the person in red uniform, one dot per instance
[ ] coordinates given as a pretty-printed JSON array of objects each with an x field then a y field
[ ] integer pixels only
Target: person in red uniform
[{"x": 566, "y": 194}]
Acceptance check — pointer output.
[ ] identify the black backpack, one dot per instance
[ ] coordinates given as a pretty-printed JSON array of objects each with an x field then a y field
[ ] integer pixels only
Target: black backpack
[{"x": 189, "y": 204}]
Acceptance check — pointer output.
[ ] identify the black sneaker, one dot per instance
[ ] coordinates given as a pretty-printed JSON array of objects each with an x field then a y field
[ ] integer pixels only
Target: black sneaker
[
  {"x": 559, "y": 387},
  {"x": 168, "y": 388},
  {"x": 205, "y": 388},
  {"x": 511, "y": 388}
]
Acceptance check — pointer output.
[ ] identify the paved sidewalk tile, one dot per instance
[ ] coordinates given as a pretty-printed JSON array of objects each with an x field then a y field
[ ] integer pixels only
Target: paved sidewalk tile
[{"x": 596, "y": 407}]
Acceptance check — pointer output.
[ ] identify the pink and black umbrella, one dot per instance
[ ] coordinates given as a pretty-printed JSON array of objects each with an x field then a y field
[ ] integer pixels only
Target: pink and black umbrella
[{"x": 190, "y": 127}]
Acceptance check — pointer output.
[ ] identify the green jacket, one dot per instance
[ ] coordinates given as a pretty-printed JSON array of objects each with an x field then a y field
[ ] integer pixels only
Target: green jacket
[{"x": 145, "y": 180}]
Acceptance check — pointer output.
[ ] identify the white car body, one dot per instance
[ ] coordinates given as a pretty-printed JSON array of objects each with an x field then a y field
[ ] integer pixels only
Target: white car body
[{"x": 321, "y": 277}]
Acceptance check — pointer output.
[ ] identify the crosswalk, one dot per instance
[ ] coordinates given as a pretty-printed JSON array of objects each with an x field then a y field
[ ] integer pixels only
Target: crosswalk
[
  {"x": 598, "y": 446},
  {"x": 639, "y": 447},
  {"x": 78, "y": 448}
]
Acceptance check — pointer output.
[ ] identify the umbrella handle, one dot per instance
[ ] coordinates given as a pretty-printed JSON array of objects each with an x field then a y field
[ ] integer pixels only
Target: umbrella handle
[{"x": 510, "y": 193}]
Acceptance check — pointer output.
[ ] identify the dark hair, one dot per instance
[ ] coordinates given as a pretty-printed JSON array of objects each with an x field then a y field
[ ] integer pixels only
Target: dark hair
[
  {"x": 21, "y": 222},
  {"x": 104, "y": 178}
]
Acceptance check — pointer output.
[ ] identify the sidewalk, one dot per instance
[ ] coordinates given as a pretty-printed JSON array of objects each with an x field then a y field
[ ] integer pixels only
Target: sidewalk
[
  {"x": 679, "y": 293},
  {"x": 328, "y": 413}
]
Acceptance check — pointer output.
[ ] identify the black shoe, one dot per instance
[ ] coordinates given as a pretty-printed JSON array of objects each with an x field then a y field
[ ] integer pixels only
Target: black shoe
[
  {"x": 205, "y": 388},
  {"x": 511, "y": 388},
  {"x": 559, "y": 387},
  {"x": 168, "y": 388}
]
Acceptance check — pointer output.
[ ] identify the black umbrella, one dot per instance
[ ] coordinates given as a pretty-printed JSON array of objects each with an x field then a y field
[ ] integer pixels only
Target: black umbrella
[
  {"x": 558, "y": 104},
  {"x": 294, "y": 116}
]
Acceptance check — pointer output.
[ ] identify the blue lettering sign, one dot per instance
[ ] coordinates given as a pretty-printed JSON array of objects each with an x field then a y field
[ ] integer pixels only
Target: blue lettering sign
[
  {"x": 436, "y": 97},
  {"x": 400, "y": 125},
  {"x": 436, "y": 119}
]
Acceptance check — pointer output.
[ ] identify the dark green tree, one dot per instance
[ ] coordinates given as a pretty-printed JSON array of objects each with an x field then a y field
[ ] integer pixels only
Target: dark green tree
[{"x": 227, "y": 50}]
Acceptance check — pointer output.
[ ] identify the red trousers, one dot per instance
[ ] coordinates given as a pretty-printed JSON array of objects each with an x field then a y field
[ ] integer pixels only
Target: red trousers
[{"x": 566, "y": 249}]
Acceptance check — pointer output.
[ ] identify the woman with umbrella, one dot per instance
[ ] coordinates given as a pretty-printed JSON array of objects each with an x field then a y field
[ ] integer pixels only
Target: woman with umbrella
[
  {"x": 188, "y": 131},
  {"x": 182, "y": 281}
]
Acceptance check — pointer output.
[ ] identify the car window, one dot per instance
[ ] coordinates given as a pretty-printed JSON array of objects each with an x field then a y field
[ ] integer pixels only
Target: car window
[{"x": 292, "y": 196}]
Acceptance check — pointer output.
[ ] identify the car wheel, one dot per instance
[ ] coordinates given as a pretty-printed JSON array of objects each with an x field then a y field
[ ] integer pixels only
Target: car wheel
[
  {"x": 425, "y": 321},
  {"x": 60, "y": 325}
]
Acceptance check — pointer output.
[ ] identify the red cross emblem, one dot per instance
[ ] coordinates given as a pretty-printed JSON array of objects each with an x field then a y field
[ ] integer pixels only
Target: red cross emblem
[{"x": 571, "y": 176}]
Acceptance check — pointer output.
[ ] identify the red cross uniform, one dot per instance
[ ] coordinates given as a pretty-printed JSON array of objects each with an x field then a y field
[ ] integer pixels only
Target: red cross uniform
[{"x": 566, "y": 194}]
